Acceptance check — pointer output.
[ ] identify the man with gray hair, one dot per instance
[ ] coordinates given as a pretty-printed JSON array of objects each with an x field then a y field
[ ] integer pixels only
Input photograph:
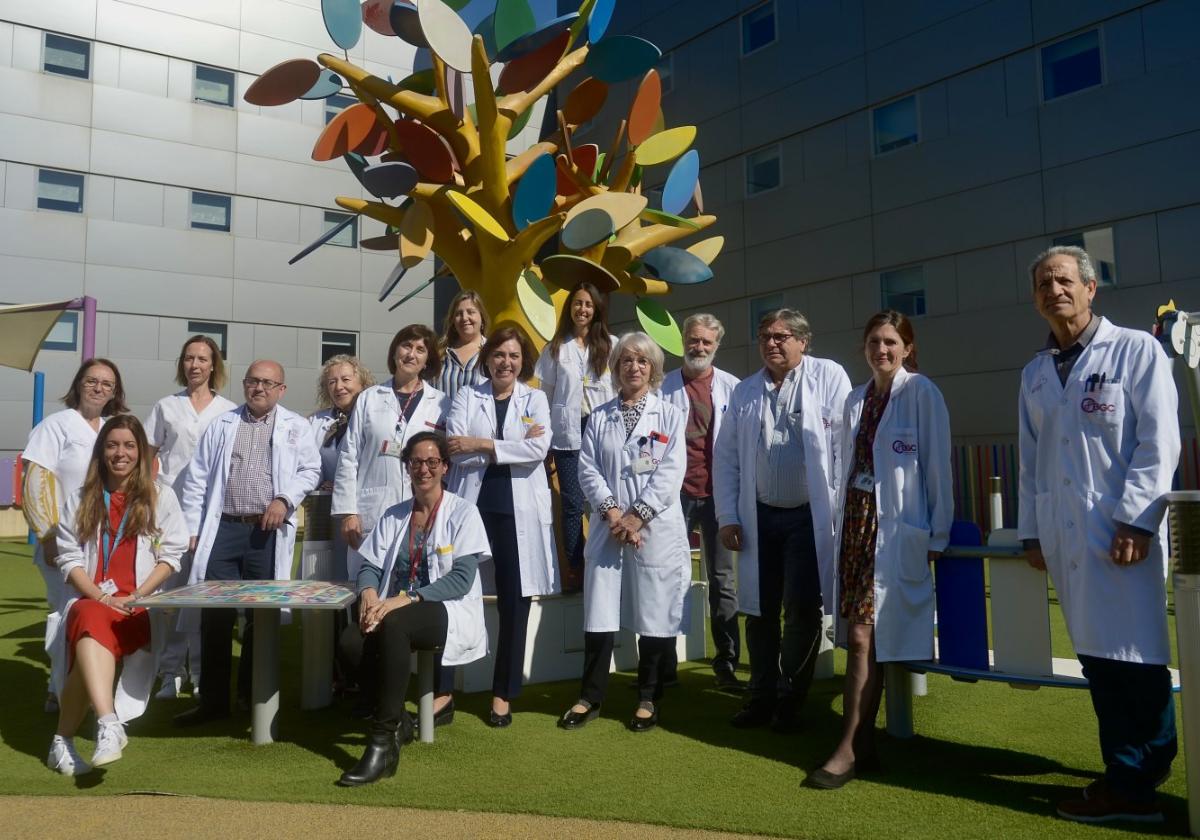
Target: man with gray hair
[
  {"x": 702, "y": 391},
  {"x": 776, "y": 467},
  {"x": 1099, "y": 441}
]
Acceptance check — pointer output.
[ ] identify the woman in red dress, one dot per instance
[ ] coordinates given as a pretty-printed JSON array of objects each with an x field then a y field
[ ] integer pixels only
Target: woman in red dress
[{"x": 118, "y": 539}]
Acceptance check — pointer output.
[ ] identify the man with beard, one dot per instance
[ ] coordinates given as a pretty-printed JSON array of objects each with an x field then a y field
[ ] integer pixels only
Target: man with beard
[{"x": 703, "y": 391}]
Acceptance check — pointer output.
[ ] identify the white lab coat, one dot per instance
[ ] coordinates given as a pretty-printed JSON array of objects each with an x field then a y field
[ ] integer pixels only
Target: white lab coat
[
  {"x": 474, "y": 414},
  {"x": 457, "y": 532},
  {"x": 658, "y": 573},
  {"x": 822, "y": 393},
  {"x": 295, "y": 471},
  {"x": 1091, "y": 457},
  {"x": 564, "y": 378},
  {"x": 368, "y": 482},
  {"x": 137, "y": 671},
  {"x": 673, "y": 391},
  {"x": 174, "y": 428},
  {"x": 914, "y": 502}
]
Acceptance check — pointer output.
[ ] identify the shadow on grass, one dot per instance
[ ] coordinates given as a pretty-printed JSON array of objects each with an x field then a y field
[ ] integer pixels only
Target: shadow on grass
[{"x": 37, "y": 630}]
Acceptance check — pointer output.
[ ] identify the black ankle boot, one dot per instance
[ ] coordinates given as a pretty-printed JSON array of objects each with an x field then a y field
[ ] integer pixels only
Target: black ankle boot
[{"x": 379, "y": 760}]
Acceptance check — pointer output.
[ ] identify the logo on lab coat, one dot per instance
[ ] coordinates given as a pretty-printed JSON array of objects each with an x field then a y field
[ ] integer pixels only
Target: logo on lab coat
[
  {"x": 1091, "y": 406},
  {"x": 902, "y": 448}
]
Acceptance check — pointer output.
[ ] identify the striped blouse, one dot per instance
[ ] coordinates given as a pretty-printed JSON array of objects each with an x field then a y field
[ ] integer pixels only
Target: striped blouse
[{"x": 456, "y": 375}]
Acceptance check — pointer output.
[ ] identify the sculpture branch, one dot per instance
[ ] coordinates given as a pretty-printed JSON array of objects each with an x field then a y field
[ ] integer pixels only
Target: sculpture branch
[
  {"x": 519, "y": 103},
  {"x": 493, "y": 134}
]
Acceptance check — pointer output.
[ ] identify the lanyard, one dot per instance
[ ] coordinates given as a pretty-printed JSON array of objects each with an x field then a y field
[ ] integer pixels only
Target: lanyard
[
  {"x": 417, "y": 551},
  {"x": 402, "y": 417},
  {"x": 107, "y": 549}
]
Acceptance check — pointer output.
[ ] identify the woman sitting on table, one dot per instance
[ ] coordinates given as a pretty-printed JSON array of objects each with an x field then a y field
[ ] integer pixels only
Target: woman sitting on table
[
  {"x": 120, "y": 538},
  {"x": 896, "y": 503},
  {"x": 631, "y": 470},
  {"x": 418, "y": 588},
  {"x": 498, "y": 442}
]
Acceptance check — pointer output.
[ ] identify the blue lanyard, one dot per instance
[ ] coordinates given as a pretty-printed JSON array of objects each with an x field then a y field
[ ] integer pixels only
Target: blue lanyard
[{"x": 106, "y": 549}]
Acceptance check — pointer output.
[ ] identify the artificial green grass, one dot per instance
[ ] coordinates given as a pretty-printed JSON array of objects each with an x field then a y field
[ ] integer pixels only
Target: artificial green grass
[{"x": 988, "y": 761}]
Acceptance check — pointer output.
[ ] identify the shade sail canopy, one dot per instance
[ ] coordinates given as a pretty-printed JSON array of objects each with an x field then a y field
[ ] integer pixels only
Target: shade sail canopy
[{"x": 24, "y": 327}]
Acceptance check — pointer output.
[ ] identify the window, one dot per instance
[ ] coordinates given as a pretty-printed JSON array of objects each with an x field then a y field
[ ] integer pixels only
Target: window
[
  {"x": 67, "y": 56},
  {"x": 64, "y": 335},
  {"x": 758, "y": 28},
  {"x": 761, "y": 306},
  {"x": 217, "y": 332},
  {"x": 335, "y": 104},
  {"x": 904, "y": 290},
  {"x": 1071, "y": 65},
  {"x": 347, "y": 238},
  {"x": 666, "y": 72},
  {"x": 764, "y": 170},
  {"x": 333, "y": 343},
  {"x": 895, "y": 125},
  {"x": 60, "y": 191},
  {"x": 213, "y": 85},
  {"x": 1099, "y": 245},
  {"x": 210, "y": 211}
]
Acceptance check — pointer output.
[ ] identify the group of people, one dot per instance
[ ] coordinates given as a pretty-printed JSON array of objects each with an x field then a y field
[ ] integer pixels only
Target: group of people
[{"x": 811, "y": 498}]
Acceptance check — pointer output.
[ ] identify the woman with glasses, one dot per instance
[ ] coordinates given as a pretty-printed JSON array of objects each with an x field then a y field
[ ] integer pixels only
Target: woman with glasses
[
  {"x": 463, "y": 335},
  {"x": 498, "y": 443},
  {"x": 56, "y": 462},
  {"x": 896, "y": 503},
  {"x": 370, "y": 475},
  {"x": 173, "y": 429},
  {"x": 418, "y": 589},
  {"x": 573, "y": 371},
  {"x": 631, "y": 470},
  {"x": 120, "y": 538}
]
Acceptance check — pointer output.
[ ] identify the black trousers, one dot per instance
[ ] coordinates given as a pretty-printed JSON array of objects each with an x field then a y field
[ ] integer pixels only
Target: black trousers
[
  {"x": 513, "y": 608},
  {"x": 655, "y": 659},
  {"x": 788, "y": 580},
  {"x": 384, "y": 656},
  {"x": 240, "y": 552}
]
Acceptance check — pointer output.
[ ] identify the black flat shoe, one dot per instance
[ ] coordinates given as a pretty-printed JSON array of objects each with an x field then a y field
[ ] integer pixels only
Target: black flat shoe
[
  {"x": 727, "y": 681},
  {"x": 752, "y": 716},
  {"x": 822, "y": 779},
  {"x": 643, "y": 724},
  {"x": 577, "y": 720},
  {"x": 198, "y": 715},
  {"x": 379, "y": 760},
  {"x": 445, "y": 717},
  {"x": 499, "y": 721}
]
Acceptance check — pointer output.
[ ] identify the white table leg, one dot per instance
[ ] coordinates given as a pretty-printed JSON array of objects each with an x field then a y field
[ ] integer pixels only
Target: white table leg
[
  {"x": 425, "y": 696},
  {"x": 316, "y": 680},
  {"x": 265, "y": 715},
  {"x": 899, "y": 687}
]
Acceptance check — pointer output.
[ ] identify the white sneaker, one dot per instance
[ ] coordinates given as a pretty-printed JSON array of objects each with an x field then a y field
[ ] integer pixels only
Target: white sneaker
[
  {"x": 110, "y": 740},
  {"x": 65, "y": 759},
  {"x": 171, "y": 687}
]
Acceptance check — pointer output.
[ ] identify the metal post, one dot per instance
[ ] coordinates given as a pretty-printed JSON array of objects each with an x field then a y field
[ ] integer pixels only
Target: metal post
[
  {"x": 425, "y": 696},
  {"x": 89, "y": 327},
  {"x": 1184, "y": 518},
  {"x": 996, "y": 498},
  {"x": 898, "y": 688},
  {"x": 264, "y": 727},
  {"x": 39, "y": 410}
]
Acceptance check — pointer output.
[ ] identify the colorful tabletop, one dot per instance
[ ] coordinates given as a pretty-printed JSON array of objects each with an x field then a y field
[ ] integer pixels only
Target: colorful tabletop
[{"x": 256, "y": 594}]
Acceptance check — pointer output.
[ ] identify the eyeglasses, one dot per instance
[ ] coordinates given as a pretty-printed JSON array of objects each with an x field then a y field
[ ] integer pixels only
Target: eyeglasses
[
  {"x": 265, "y": 384},
  {"x": 104, "y": 385},
  {"x": 430, "y": 464},
  {"x": 775, "y": 338},
  {"x": 627, "y": 362}
]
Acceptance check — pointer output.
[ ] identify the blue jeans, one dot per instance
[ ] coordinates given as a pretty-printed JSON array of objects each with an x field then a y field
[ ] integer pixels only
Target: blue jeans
[
  {"x": 1136, "y": 713},
  {"x": 566, "y": 463},
  {"x": 722, "y": 582}
]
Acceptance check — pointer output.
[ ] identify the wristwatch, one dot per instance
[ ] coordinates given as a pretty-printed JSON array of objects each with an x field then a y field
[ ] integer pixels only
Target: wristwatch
[{"x": 415, "y": 597}]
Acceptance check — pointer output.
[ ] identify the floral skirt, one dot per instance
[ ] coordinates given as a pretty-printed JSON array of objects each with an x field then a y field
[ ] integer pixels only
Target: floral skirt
[{"x": 856, "y": 561}]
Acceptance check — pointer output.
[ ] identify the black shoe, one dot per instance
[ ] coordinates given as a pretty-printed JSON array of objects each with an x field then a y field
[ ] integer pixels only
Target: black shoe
[
  {"x": 824, "y": 780},
  {"x": 785, "y": 720},
  {"x": 727, "y": 680},
  {"x": 445, "y": 717},
  {"x": 499, "y": 721},
  {"x": 380, "y": 759},
  {"x": 751, "y": 716},
  {"x": 577, "y": 720},
  {"x": 406, "y": 733},
  {"x": 198, "y": 715},
  {"x": 644, "y": 724}
]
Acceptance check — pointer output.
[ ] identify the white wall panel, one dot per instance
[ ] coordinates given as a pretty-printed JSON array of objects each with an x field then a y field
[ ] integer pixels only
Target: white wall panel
[
  {"x": 279, "y": 303},
  {"x": 139, "y": 203},
  {"x": 98, "y": 198},
  {"x": 31, "y": 140},
  {"x": 20, "y": 186},
  {"x": 133, "y": 336},
  {"x": 73, "y": 17},
  {"x": 221, "y": 12},
  {"x": 106, "y": 64},
  {"x": 297, "y": 183},
  {"x": 160, "y": 249},
  {"x": 30, "y": 280},
  {"x": 131, "y": 112},
  {"x": 154, "y": 31},
  {"x": 54, "y": 98},
  {"x": 327, "y": 267},
  {"x": 149, "y": 159},
  {"x": 6, "y": 44},
  {"x": 147, "y": 292},
  {"x": 27, "y": 49},
  {"x": 276, "y": 343},
  {"x": 42, "y": 233},
  {"x": 143, "y": 72}
]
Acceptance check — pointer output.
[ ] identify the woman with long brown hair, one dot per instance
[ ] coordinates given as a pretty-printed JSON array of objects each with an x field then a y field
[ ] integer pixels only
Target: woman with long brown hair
[
  {"x": 463, "y": 335},
  {"x": 120, "y": 538},
  {"x": 573, "y": 371}
]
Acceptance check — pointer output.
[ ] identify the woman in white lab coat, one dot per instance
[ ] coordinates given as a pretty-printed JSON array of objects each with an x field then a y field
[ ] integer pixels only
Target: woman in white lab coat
[
  {"x": 638, "y": 562},
  {"x": 370, "y": 476},
  {"x": 173, "y": 430},
  {"x": 418, "y": 589},
  {"x": 896, "y": 503},
  {"x": 498, "y": 443},
  {"x": 56, "y": 461},
  {"x": 120, "y": 538},
  {"x": 573, "y": 371}
]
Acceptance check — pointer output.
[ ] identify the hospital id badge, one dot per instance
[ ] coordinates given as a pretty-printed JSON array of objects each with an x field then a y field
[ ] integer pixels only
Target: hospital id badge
[
  {"x": 863, "y": 481},
  {"x": 108, "y": 587},
  {"x": 391, "y": 448},
  {"x": 642, "y": 465}
]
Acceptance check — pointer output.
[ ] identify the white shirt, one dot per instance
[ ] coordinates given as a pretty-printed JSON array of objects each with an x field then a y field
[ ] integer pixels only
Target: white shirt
[
  {"x": 175, "y": 428},
  {"x": 781, "y": 480},
  {"x": 62, "y": 443}
]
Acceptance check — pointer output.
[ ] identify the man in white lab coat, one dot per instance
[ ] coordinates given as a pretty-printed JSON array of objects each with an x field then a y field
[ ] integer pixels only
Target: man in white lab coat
[
  {"x": 702, "y": 390},
  {"x": 776, "y": 466},
  {"x": 252, "y": 468},
  {"x": 1099, "y": 442}
]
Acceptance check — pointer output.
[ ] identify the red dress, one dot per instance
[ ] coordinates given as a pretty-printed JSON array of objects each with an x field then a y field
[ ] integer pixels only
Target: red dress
[{"x": 121, "y": 634}]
